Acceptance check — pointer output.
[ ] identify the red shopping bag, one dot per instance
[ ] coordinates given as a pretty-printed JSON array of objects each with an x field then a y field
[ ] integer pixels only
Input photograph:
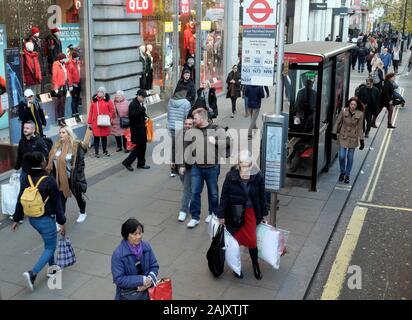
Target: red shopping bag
[
  {"x": 162, "y": 291},
  {"x": 129, "y": 144}
]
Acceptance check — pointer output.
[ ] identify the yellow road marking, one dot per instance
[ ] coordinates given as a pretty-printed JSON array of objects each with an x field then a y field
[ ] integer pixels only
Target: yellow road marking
[
  {"x": 340, "y": 266},
  {"x": 380, "y": 206}
]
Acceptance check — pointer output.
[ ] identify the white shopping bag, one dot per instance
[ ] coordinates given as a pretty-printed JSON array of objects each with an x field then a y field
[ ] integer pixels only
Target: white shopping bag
[
  {"x": 9, "y": 194},
  {"x": 232, "y": 253},
  {"x": 269, "y": 244},
  {"x": 213, "y": 226}
]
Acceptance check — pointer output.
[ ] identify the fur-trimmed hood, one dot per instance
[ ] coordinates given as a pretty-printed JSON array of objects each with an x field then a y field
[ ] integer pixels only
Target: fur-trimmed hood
[{"x": 106, "y": 97}]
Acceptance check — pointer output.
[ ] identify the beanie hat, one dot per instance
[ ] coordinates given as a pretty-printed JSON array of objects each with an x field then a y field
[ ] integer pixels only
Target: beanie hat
[
  {"x": 35, "y": 30},
  {"x": 186, "y": 71},
  {"x": 61, "y": 56},
  {"x": 75, "y": 55},
  {"x": 54, "y": 30}
]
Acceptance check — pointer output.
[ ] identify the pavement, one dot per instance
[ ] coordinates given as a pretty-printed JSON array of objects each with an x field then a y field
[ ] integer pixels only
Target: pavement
[{"x": 153, "y": 197}]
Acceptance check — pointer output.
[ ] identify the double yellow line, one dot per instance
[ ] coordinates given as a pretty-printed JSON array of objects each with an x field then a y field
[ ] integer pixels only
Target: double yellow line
[{"x": 343, "y": 258}]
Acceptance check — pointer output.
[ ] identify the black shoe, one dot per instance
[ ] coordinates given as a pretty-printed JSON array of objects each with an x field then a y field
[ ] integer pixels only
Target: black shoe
[
  {"x": 96, "y": 155},
  {"x": 341, "y": 177},
  {"x": 126, "y": 151},
  {"x": 128, "y": 167},
  {"x": 63, "y": 122},
  {"x": 118, "y": 149},
  {"x": 347, "y": 180},
  {"x": 238, "y": 276},
  {"x": 256, "y": 271},
  {"x": 30, "y": 278},
  {"x": 143, "y": 167},
  {"x": 373, "y": 125},
  {"x": 366, "y": 135},
  {"x": 390, "y": 126},
  {"x": 106, "y": 154}
]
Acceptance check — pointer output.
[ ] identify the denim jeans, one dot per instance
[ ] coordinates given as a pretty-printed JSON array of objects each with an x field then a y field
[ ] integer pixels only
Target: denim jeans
[
  {"x": 199, "y": 176},
  {"x": 187, "y": 190},
  {"x": 346, "y": 160},
  {"x": 246, "y": 104},
  {"x": 46, "y": 226}
]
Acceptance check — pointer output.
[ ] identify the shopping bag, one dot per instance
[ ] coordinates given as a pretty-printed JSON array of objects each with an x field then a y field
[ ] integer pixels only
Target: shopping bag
[
  {"x": 88, "y": 137},
  {"x": 216, "y": 253},
  {"x": 149, "y": 130},
  {"x": 162, "y": 290},
  {"x": 213, "y": 226},
  {"x": 232, "y": 253},
  {"x": 284, "y": 236},
  {"x": 65, "y": 254},
  {"x": 268, "y": 243},
  {"x": 9, "y": 194},
  {"x": 129, "y": 144}
]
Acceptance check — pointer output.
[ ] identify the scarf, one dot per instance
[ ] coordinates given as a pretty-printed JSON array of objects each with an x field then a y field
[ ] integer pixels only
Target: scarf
[
  {"x": 61, "y": 171},
  {"x": 32, "y": 108},
  {"x": 32, "y": 61},
  {"x": 136, "y": 250}
]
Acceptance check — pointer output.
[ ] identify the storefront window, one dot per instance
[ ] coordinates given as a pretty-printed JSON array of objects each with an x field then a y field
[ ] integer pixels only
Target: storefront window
[{"x": 33, "y": 37}]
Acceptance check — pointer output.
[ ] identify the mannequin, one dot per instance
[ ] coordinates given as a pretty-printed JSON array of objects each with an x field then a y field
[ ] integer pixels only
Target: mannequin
[
  {"x": 39, "y": 48},
  {"x": 3, "y": 90},
  {"x": 61, "y": 82},
  {"x": 149, "y": 82},
  {"x": 54, "y": 47},
  {"x": 31, "y": 68},
  {"x": 143, "y": 59},
  {"x": 73, "y": 67}
]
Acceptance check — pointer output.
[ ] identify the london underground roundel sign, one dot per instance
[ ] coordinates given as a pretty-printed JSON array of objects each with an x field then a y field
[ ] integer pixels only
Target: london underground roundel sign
[{"x": 259, "y": 13}]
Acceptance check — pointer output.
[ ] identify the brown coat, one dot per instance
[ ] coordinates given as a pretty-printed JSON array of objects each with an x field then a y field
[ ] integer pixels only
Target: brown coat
[{"x": 349, "y": 129}]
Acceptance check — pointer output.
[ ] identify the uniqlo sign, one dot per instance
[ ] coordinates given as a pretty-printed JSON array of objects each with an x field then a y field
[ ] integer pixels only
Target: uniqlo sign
[
  {"x": 139, "y": 6},
  {"x": 184, "y": 7}
]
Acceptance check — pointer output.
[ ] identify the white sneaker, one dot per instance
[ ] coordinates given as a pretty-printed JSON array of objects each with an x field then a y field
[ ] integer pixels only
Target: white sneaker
[
  {"x": 172, "y": 175},
  {"x": 57, "y": 227},
  {"x": 81, "y": 218},
  {"x": 193, "y": 223},
  {"x": 53, "y": 270},
  {"x": 208, "y": 218},
  {"x": 182, "y": 216}
]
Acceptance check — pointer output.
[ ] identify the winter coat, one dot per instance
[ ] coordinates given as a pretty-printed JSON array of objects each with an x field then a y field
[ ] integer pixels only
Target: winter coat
[
  {"x": 192, "y": 71},
  {"x": 355, "y": 52},
  {"x": 48, "y": 189},
  {"x": 255, "y": 94},
  {"x": 137, "y": 117},
  {"x": 189, "y": 86},
  {"x": 124, "y": 270},
  {"x": 31, "y": 68},
  {"x": 236, "y": 86},
  {"x": 59, "y": 77},
  {"x": 187, "y": 34},
  {"x": 73, "y": 70},
  {"x": 363, "y": 52},
  {"x": 35, "y": 143},
  {"x": 54, "y": 47},
  {"x": 370, "y": 98},
  {"x": 349, "y": 128},
  {"x": 177, "y": 111},
  {"x": 212, "y": 99},
  {"x": 39, "y": 48},
  {"x": 105, "y": 107},
  {"x": 122, "y": 108},
  {"x": 233, "y": 193},
  {"x": 386, "y": 94},
  {"x": 386, "y": 59},
  {"x": 25, "y": 115}
]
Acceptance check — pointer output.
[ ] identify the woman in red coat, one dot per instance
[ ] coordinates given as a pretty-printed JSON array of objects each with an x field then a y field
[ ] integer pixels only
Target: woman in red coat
[{"x": 101, "y": 105}]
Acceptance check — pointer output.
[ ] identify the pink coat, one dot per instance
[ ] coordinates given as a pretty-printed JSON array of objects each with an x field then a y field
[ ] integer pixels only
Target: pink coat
[
  {"x": 105, "y": 107},
  {"x": 123, "y": 110}
]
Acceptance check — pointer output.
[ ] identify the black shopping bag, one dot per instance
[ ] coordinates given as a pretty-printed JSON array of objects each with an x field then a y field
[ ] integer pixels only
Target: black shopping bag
[{"x": 216, "y": 253}]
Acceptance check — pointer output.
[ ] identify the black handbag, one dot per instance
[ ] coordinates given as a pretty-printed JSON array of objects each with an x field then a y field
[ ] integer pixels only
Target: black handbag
[
  {"x": 124, "y": 121},
  {"x": 235, "y": 215},
  {"x": 133, "y": 294},
  {"x": 216, "y": 253}
]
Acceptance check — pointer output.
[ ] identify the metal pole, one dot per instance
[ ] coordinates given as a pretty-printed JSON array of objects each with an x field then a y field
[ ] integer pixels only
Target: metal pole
[
  {"x": 281, "y": 51},
  {"x": 176, "y": 56},
  {"x": 198, "y": 54}
]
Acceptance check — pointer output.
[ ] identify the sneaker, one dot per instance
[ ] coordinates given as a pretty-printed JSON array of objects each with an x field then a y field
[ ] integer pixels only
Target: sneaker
[
  {"x": 53, "y": 270},
  {"x": 341, "y": 177},
  {"x": 172, "y": 174},
  {"x": 391, "y": 126},
  {"x": 57, "y": 227},
  {"x": 347, "y": 180},
  {"x": 182, "y": 216},
  {"x": 106, "y": 154},
  {"x": 193, "y": 223},
  {"x": 30, "y": 278},
  {"x": 126, "y": 151},
  {"x": 81, "y": 218},
  {"x": 373, "y": 125},
  {"x": 366, "y": 135},
  {"x": 233, "y": 115},
  {"x": 96, "y": 155},
  {"x": 208, "y": 218}
]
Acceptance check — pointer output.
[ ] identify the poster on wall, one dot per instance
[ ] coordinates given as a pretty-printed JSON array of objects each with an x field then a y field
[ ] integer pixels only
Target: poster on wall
[
  {"x": 3, "y": 96},
  {"x": 70, "y": 36},
  {"x": 13, "y": 76}
]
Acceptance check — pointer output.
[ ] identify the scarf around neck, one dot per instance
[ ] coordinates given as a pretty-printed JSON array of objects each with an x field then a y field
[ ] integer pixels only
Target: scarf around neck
[
  {"x": 61, "y": 170},
  {"x": 136, "y": 250}
]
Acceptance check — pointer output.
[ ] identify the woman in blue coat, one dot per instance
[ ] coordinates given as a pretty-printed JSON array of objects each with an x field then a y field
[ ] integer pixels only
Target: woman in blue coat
[{"x": 134, "y": 265}]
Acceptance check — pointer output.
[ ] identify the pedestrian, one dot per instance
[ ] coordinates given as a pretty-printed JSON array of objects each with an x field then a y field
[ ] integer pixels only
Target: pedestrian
[
  {"x": 101, "y": 105},
  {"x": 30, "y": 109},
  {"x": 377, "y": 74},
  {"x": 178, "y": 109},
  {"x": 369, "y": 96},
  {"x": 329, "y": 37},
  {"x": 338, "y": 38},
  {"x": 73, "y": 67},
  {"x": 186, "y": 83},
  {"x": 395, "y": 59},
  {"x": 206, "y": 168},
  {"x": 348, "y": 131},
  {"x": 386, "y": 58},
  {"x": 233, "y": 87},
  {"x": 245, "y": 100},
  {"x": 121, "y": 106},
  {"x": 61, "y": 83},
  {"x": 189, "y": 65},
  {"x": 66, "y": 163},
  {"x": 138, "y": 118},
  {"x": 212, "y": 100},
  {"x": 185, "y": 170},
  {"x": 133, "y": 264},
  {"x": 386, "y": 98},
  {"x": 244, "y": 186},
  {"x": 369, "y": 59},
  {"x": 363, "y": 52},
  {"x": 409, "y": 62},
  {"x": 254, "y": 95},
  {"x": 354, "y": 55},
  {"x": 44, "y": 224}
]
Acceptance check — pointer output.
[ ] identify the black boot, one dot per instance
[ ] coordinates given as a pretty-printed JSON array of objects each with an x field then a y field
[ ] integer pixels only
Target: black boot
[{"x": 255, "y": 263}]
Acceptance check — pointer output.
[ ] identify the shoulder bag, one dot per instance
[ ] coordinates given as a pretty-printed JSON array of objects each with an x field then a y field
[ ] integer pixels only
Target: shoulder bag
[
  {"x": 235, "y": 215},
  {"x": 124, "y": 121},
  {"x": 103, "y": 120}
]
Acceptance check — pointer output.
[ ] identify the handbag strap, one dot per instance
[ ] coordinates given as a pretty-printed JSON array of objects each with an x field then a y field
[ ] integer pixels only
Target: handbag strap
[
  {"x": 153, "y": 276},
  {"x": 98, "y": 111}
]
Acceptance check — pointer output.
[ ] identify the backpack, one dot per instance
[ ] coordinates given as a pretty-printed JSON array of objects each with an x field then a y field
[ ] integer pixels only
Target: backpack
[
  {"x": 358, "y": 89},
  {"x": 376, "y": 78},
  {"x": 31, "y": 199}
]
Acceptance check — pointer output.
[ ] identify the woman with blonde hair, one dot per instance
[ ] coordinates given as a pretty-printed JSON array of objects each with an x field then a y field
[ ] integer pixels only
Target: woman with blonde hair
[
  {"x": 66, "y": 162},
  {"x": 378, "y": 73}
]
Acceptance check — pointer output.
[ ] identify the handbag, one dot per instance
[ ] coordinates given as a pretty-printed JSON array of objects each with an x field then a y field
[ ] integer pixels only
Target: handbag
[
  {"x": 124, "y": 121},
  {"x": 103, "y": 120},
  {"x": 235, "y": 215},
  {"x": 133, "y": 294},
  {"x": 216, "y": 253},
  {"x": 162, "y": 290},
  {"x": 65, "y": 254}
]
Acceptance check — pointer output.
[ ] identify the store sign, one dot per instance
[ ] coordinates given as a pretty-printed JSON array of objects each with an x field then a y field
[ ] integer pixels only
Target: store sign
[
  {"x": 184, "y": 7},
  {"x": 139, "y": 6},
  {"x": 318, "y": 6},
  {"x": 302, "y": 58},
  {"x": 259, "y": 37}
]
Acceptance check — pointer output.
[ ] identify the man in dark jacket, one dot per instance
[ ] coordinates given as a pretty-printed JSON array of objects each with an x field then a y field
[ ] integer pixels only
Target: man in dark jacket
[
  {"x": 187, "y": 84},
  {"x": 363, "y": 52},
  {"x": 254, "y": 94},
  {"x": 354, "y": 54},
  {"x": 189, "y": 65},
  {"x": 138, "y": 117},
  {"x": 31, "y": 110},
  {"x": 369, "y": 96}
]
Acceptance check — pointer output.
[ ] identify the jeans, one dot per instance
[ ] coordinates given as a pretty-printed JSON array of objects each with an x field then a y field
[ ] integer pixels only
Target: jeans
[
  {"x": 246, "y": 104},
  {"x": 187, "y": 190},
  {"x": 46, "y": 226},
  {"x": 199, "y": 176},
  {"x": 254, "y": 113},
  {"x": 361, "y": 64},
  {"x": 61, "y": 104},
  {"x": 346, "y": 160},
  {"x": 97, "y": 144},
  {"x": 233, "y": 104},
  {"x": 79, "y": 199}
]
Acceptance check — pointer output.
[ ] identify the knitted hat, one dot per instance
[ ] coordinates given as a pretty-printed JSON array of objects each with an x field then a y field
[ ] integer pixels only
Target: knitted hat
[
  {"x": 35, "y": 30},
  {"x": 55, "y": 30},
  {"x": 61, "y": 56}
]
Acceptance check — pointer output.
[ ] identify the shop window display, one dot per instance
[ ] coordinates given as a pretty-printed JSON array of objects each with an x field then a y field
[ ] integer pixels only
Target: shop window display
[{"x": 40, "y": 54}]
